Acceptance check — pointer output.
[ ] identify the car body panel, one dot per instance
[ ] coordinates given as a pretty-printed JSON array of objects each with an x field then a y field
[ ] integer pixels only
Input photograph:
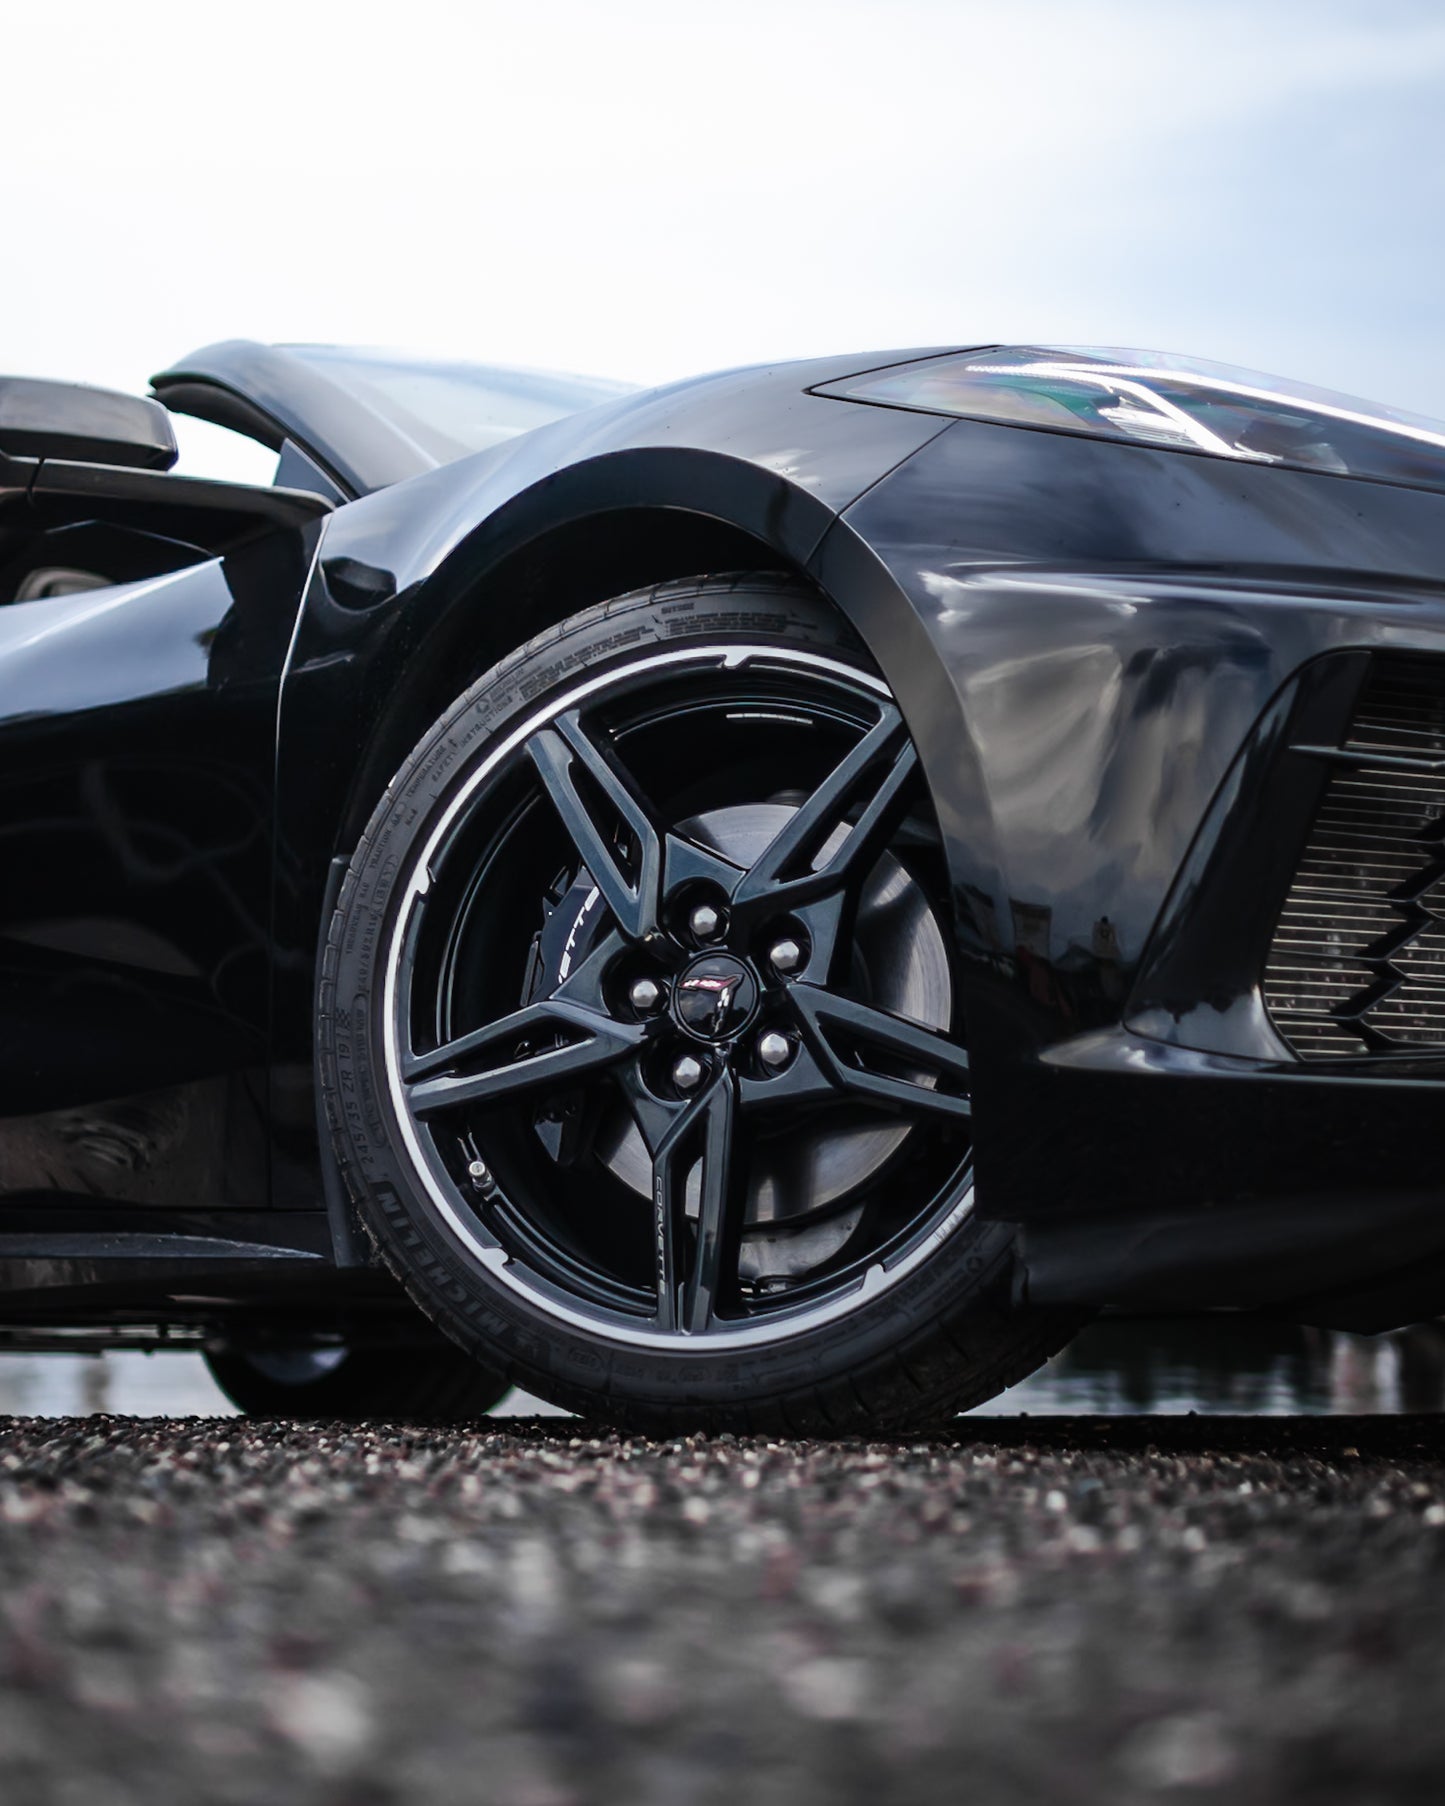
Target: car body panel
[
  {"x": 1112, "y": 627},
  {"x": 137, "y": 735},
  {"x": 1105, "y": 653}
]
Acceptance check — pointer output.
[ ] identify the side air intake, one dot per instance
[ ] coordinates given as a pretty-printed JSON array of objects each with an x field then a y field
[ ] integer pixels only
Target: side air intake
[{"x": 1357, "y": 964}]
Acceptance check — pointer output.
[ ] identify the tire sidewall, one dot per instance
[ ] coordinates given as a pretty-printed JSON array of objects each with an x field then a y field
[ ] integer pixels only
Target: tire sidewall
[{"x": 972, "y": 1266}]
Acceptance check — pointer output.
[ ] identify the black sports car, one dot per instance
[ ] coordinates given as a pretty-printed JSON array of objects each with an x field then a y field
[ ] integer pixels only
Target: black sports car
[{"x": 759, "y": 903}]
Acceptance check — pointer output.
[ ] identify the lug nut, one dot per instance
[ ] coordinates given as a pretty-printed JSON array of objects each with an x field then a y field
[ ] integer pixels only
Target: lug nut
[
  {"x": 785, "y": 956},
  {"x": 687, "y": 1073},
  {"x": 480, "y": 1174},
  {"x": 645, "y": 995},
  {"x": 705, "y": 922},
  {"x": 774, "y": 1050}
]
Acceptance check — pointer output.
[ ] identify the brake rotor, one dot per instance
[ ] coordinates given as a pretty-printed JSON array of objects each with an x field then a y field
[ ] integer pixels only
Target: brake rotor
[{"x": 805, "y": 1188}]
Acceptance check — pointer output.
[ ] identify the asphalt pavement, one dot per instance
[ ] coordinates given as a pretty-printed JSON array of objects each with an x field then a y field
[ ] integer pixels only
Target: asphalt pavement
[{"x": 1040, "y": 1610}]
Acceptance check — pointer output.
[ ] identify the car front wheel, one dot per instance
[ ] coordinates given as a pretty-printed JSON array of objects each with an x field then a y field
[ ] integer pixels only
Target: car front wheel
[{"x": 641, "y": 1038}]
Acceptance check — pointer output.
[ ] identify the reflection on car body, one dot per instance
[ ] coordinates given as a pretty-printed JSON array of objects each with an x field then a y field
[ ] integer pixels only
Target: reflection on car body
[{"x": 1052, "y": 740}]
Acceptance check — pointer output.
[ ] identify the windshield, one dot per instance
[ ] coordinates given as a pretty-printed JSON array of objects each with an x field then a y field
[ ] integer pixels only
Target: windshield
[
  {"x": 448, "y": 410},
  {"x": 1181, "y": 403}
]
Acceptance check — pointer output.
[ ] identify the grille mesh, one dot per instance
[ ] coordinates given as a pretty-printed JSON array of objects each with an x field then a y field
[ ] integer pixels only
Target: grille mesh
[{"x": 1357, "y": 964}]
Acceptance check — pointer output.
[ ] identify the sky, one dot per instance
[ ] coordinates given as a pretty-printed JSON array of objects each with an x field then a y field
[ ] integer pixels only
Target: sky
[{"x": 650, "y": 190}]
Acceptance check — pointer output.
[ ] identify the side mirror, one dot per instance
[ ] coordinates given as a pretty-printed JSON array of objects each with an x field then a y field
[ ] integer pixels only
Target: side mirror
[{"x": 82, "y": 425}]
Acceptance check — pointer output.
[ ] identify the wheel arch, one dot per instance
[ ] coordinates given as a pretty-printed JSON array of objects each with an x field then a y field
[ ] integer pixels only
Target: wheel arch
[
  {"x": 624, "y": 521},
  {"x": 572, "y": 539},
  {"x": 581, "y": 536}
]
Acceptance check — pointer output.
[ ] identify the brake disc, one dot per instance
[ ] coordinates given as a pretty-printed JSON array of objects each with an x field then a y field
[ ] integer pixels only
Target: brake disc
[{"x": 804, "y": 1190}]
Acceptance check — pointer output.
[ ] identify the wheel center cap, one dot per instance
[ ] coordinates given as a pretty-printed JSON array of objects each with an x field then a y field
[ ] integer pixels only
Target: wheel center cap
[{"x": 715, "y": 997}]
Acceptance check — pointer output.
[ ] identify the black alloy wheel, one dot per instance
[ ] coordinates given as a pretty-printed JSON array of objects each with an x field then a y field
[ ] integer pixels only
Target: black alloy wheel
[{"x": 640, "y": 1031}]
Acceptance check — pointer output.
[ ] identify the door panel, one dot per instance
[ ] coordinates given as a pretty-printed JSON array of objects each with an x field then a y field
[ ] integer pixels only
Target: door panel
[{"x": 137, "y": 752}]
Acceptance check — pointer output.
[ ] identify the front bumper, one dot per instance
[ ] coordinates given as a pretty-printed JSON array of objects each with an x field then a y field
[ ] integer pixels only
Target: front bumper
[{"x": 1118, "y": 650}]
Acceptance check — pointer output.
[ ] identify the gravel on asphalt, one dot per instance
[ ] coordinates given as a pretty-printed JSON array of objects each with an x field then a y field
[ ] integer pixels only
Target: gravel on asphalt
[{"x": 1045, "y": 1610}]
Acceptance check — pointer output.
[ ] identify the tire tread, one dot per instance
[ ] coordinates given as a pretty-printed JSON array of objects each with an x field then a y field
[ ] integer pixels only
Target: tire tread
[{"x": 884, "y": 1396}]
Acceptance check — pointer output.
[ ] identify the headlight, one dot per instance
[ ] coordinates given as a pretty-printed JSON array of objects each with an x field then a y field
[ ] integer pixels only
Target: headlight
[{"x": 1155, "y": 398}]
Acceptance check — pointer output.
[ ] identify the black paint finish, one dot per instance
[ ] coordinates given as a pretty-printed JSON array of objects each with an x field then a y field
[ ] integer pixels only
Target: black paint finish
[
  {"x": 1104, "y": 652},
  {"x": 1123, "y": 642},
  {"x": 137, "y": 750}
]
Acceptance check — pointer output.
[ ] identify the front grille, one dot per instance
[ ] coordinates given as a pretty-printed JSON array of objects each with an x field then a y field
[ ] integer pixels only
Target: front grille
[{"x": 1357, "y": 964}]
